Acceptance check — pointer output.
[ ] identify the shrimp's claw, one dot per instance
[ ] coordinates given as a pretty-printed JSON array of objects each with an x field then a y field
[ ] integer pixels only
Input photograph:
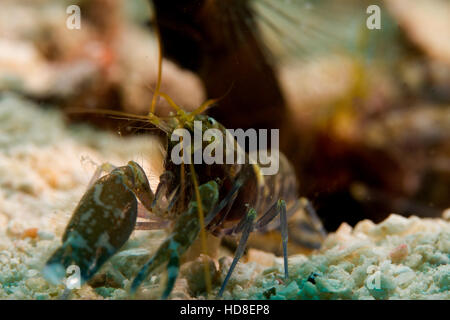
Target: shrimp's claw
[
  {"x": 101, "y": 223},
  {"x": 185, "y": 231}
]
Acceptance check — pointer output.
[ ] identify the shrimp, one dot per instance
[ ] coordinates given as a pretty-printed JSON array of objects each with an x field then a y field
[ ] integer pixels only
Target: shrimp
[{"x": 218, "y": 198}]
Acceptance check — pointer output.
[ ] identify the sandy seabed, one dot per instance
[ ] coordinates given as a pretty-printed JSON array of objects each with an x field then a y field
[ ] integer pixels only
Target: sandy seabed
[{"x": 45, "y": 167}]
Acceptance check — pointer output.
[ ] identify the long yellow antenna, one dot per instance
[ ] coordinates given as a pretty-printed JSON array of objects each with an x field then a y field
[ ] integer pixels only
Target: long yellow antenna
[
  {"x": 125, "y": 116},
  {"x": 172, "y": 103},
  {"x": 205, "y": 105}
]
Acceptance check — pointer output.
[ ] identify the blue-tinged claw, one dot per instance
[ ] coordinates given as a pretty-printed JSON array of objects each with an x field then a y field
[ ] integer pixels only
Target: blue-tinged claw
[{"x": 102, "y": 222}]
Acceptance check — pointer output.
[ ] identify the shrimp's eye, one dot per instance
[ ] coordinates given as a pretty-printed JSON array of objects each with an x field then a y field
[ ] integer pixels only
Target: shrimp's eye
[{"x": 211, "y": 121}]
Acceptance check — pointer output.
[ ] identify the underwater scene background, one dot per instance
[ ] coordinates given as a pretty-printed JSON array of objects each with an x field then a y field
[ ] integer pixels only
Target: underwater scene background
[{"x": 360, "y": 93}]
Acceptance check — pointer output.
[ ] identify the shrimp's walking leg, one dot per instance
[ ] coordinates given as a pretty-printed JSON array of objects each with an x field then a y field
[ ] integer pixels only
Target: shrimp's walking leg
[
  {"x": 278, "y": 208},
  {"x": 229, "y": 197},
  {"x": 247, "y": 227},
  {"x": 185, "y": 231},
  {"x": 284, "y": 234},
  {"x": 228, "y": 200},
  {"x": 172, "y": 269}
]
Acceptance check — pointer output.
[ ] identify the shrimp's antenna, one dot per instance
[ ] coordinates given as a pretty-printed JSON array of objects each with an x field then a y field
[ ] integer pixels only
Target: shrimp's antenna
[
  {"x": 157, "y": 91},
  {"x": 205, "y": 105},
  {"x": 169, "y": 100},
  {"x": 208, "y": 103},
  {"x": 124, "y": 116}
]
